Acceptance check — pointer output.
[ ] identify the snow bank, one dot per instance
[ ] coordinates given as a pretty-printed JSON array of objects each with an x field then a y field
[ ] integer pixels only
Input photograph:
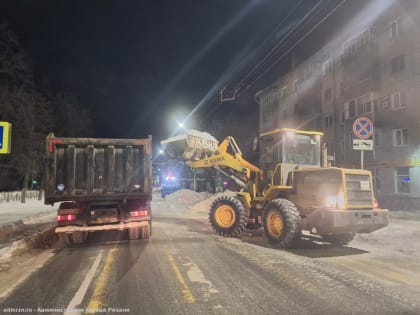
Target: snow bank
[
  {"x": 14, "y": 211},
  {"x": 187, "y": 197},
  {"x": 204, "y": 205}
]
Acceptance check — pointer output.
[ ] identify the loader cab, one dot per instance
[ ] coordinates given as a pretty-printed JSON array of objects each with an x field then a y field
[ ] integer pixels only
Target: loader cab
[{"x": 284, "y": 150}]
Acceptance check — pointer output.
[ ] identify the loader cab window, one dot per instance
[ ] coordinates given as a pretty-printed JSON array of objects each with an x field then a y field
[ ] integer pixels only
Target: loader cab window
[{"x": 301, "y": 149}]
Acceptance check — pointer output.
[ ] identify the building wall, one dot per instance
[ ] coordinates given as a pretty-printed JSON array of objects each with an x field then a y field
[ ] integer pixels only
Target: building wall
[{"x": 372, "y": 70}]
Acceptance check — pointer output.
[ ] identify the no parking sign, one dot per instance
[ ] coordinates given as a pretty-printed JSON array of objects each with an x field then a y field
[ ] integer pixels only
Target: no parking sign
[{"x": 363, "y": 128}]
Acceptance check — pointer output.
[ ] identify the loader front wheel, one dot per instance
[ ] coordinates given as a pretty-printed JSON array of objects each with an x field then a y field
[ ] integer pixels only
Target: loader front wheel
[
  {"x": 227, "y": 216},
  {"x": 282, "y": 223}
]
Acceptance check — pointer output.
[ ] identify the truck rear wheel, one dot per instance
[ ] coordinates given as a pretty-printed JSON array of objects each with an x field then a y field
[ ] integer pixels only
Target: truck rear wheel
[
  {"x": 64, "y": 239},
  {"x": 227, "y": 216},
  {"x": 339, "y": 239},
  {"x": 133, "y": 233},
  {"x": 79, "y": 237},
  {"x": 282, "y": 223},
  {"x": 145, "y": 232}
]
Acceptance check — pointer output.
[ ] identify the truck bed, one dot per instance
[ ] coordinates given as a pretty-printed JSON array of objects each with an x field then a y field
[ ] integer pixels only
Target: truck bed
[{"x": 97, "y": 169}]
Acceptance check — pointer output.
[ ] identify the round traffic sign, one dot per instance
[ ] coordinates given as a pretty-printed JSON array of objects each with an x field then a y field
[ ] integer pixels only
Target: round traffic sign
[{"x": 363, "y": 128}]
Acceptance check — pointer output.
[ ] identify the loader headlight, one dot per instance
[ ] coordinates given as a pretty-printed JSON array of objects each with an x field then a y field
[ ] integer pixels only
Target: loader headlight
[{"x": 335, "y": 201}]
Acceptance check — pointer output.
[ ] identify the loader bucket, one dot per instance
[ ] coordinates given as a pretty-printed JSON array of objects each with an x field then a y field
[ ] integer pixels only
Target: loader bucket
[{"x": 190, "y": 146}]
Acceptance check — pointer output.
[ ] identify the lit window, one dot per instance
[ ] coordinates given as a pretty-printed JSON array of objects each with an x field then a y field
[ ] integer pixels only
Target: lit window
[
  {"x": 402, "y": 180},
  {"x": 400, "y": 137}
]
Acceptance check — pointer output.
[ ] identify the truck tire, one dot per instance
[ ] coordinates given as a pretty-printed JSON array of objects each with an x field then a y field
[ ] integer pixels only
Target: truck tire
[
  {"x": 64, "y": 239},
  {"x": 227, "y": 216},
  {"x": 145, "y": 232},
  {"x": 282, "y": 223},
  {"x": 339, "y": 239},
  {"x": 79, "y": 237},
  {"x": 133, "y": 233}
]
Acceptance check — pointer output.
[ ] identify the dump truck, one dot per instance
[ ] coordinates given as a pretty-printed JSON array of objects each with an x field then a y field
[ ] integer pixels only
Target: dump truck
[
  {"x": 292, "y": 190},
  {"x": 101, "y": 184}
]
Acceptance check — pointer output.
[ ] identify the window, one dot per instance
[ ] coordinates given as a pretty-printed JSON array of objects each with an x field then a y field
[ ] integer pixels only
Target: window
[
  {"x": 327, "y": 67},
  {"x": 398, "y": 101},
  {"x": 378, "y": 136},
  {"x": 352, "y": 45},
  {"x": 376, "y": 180},
  {"x": 394, "y": 28},
  {"x": 397, "y": 64},
  {"x": 327, "y": 95},
  {"x": 402, "y": 180},
  {"x": 328, "y": 121},
  {"x": 342, "y": 117},
  {"x": 284, "y": 91},
  {"x": 359, "y": 106},
  {"x": 400, "y": 137},
  {"x": 296, "y": 84},
  {"x": 352, "y": 108}
]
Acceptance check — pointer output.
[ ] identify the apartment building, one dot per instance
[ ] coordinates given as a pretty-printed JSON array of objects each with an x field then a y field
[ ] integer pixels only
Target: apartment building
[{"x": 369, "y": 68}]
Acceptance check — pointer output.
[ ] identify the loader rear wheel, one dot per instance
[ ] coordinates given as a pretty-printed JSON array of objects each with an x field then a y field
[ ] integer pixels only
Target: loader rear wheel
[
  {"x": 227, "y": 216},
  {"x": 282, "y": 223},
  {"x": 339, "y": 239}
]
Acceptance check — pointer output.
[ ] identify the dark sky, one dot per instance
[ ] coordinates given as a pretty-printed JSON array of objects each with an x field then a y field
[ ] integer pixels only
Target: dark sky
[{"x": 141, "y": 65}]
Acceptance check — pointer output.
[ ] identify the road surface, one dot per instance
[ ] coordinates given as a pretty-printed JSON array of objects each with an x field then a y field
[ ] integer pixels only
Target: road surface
[{"x": 186, "y": 269}]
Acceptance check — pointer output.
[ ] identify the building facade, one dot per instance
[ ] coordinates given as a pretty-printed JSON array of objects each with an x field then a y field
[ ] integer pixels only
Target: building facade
[{"x": 371, "y": 69}]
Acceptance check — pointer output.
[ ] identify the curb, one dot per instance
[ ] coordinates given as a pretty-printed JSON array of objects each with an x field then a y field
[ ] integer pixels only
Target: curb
[{"x": 14, "y": 227}]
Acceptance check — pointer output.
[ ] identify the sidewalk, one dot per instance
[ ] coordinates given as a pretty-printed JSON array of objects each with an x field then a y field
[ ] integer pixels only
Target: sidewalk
[{"x": 16, "y": 216}]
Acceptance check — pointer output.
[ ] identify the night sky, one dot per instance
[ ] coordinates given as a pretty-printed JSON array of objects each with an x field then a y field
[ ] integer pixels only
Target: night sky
[{"x": 141, "y": 65}]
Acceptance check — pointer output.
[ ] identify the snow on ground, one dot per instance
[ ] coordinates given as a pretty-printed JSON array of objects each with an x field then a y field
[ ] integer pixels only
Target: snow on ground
[
  {"x": 204, "y": 205},
  {"x": 187, "y": 197},
  {"x": 15, "y": 211}
]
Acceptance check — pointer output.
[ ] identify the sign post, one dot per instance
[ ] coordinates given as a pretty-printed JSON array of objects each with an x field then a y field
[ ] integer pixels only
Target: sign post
[
  {"x": 5, "y": 137},
  {"x": 363, "y": 129}
]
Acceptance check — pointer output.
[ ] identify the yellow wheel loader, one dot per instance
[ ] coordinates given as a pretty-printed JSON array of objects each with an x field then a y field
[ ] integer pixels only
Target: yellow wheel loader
[{"x": 292, "y": 190}]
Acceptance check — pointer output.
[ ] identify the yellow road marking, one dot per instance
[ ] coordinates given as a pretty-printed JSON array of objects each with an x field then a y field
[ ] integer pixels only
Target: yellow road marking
[
  {"x": 188, "y": 296},
  {"x": 97, "y": 300}
]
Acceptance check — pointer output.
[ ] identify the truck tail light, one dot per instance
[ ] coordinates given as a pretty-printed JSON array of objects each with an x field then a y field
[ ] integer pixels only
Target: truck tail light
[
  {"x": 139, "y": 213},
  {"x": 376, "y": 204},
  {"x": 66, "y": 217}
]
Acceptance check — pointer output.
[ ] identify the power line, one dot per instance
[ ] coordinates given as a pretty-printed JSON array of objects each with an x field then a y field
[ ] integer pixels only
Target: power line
[
  {"x": 276, "y": 47},
  {"x": 285, "y": 37},
  {"x": 297, "y": 43}
]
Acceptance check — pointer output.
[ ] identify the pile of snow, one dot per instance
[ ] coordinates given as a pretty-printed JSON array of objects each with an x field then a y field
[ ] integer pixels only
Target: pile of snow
[
  {"x": 187, "y": 197},
  {"x": 14, "y": 211},
  {"x": 204, "y": 205}
]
